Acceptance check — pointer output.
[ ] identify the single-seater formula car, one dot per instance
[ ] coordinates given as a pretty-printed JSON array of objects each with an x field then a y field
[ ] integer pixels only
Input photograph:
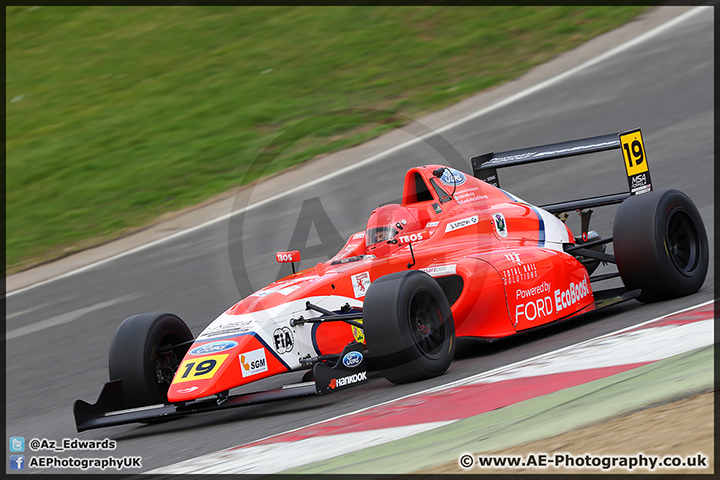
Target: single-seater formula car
[{"x": 458, "y": 257}]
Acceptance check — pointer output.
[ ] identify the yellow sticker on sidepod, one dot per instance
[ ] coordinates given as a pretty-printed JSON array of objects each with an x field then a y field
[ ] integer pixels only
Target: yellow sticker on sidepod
[{"x": 358, "y": 333}]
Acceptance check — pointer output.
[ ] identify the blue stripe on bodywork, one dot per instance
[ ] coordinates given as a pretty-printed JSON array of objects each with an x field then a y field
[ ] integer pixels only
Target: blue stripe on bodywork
[
  {"x": 509, "y": 195},
  {"x": 541, "y": 225},
  {"x": 313, "y": 337}
]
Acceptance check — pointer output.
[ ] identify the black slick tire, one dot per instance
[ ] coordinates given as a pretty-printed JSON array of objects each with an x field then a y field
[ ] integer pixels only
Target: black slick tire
[
  {"x": 408, "y": 326},
  {"x": 660, "y": 245},
  {"x": 140, "y": 358}
]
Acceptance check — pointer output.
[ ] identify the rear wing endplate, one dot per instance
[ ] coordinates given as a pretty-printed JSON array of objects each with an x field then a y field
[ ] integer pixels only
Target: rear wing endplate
[{"x": 630, "y": 143}]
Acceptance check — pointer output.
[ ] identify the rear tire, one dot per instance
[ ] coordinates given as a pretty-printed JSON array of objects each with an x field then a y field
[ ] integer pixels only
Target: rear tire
[
  {"x": 134, "y": 358},
  {"x": 408, "y": 326},
  {"x": 660, "y": 245}
]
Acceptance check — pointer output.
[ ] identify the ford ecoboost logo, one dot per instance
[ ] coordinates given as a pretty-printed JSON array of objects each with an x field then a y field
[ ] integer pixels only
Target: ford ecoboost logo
[
  {"x": 213, "y": 347},
  {"x": 352, "y": 359}
]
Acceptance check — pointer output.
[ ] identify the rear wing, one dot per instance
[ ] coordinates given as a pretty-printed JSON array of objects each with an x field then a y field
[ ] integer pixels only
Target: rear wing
[{"x": 485, "y": 166}]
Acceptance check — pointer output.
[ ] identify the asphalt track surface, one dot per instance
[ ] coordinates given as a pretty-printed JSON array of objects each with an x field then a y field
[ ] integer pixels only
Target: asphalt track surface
[{"x": 663, "y": 85}]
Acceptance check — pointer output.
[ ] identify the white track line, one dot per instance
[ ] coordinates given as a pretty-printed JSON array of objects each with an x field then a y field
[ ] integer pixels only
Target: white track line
[
  {"x": 65, "y": 318},
  {"x": 504, "y": 102}
]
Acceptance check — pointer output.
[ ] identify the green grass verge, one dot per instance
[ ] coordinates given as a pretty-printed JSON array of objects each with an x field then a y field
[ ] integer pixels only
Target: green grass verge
[{"x": 115, "y": 115}]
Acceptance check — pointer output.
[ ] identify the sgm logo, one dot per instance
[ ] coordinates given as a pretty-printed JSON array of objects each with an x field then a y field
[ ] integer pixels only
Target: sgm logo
[
  {"x": 349, "y": 380},
  {"x": 411, "y": 238},
  {"x": 253, "y": 362},
  {"x": 465, "y": 222}
]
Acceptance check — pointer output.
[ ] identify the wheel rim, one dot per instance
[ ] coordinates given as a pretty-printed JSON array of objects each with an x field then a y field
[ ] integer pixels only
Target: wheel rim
[
  {"x": 167, "y": 362},
  {"x": 426, "y": 324},
  {"x": 681, "y": 242}
]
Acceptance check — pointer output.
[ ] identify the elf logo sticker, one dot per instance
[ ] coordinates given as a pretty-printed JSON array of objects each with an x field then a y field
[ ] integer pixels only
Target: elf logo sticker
[
  {"x": 349, "y": 380},
  {"x": 253, "y": 362},
  {"x": 360, "y": 283}
]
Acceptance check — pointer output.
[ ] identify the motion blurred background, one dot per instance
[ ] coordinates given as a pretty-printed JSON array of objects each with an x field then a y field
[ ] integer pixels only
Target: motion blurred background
[{"x": 116, "y": 115}]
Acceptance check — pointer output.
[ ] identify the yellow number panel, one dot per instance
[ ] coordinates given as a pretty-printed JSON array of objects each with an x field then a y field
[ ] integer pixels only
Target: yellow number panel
[
  {"x": 633, "y": 152},
  {"x": 200, "y": 368}
]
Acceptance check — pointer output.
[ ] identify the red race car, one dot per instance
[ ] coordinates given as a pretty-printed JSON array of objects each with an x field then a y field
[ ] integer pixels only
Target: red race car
[{"x": 459, "y": 257}]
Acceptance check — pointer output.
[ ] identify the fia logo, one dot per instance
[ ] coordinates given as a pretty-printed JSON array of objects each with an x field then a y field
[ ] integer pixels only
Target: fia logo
[{"x": 284, "y": 341}]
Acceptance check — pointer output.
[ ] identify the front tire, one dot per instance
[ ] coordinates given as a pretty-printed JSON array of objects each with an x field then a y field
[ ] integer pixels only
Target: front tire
[
  {"x": 408, "y": 326},
  {"x": 140, "y": 358},
  {"x": 660, "y": 245}
]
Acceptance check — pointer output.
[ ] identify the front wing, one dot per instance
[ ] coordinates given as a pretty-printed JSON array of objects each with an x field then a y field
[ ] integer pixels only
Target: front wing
[{"x": 109, "y": 410}]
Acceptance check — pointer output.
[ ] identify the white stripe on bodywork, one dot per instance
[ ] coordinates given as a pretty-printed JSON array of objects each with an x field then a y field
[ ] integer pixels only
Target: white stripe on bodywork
[
  {"x": 555, "y": 231},
  {"x": 264, "y": 322}
]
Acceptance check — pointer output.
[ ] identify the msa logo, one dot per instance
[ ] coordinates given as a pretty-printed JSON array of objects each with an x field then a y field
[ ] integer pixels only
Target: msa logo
[
  {"x": 360, "y": 283},
  {"x": 465, "y": 222},
  {"x": 253, "y": 362},
  {"x": 349, "y": 380},
  {"x": 411, "y": 238}
]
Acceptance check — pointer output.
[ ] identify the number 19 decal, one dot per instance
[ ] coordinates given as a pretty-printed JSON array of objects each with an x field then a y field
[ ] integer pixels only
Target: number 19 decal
[
  {"x": 636, "y": 164},
  {"x": 634, "y": 152},
  {"x": 200, "y": 368}
]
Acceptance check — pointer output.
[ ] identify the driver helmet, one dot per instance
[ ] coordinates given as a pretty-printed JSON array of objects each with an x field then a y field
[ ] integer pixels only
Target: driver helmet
[{"x": 384, "y": 224}]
